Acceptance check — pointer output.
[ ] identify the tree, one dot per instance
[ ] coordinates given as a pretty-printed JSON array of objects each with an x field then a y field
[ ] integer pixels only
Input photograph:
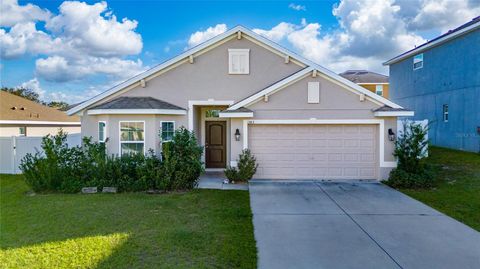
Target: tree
[
  {"x": 24, "y": 92},
  {"x": 60, "y": 105},
  {"x": 33, "y": 96}
]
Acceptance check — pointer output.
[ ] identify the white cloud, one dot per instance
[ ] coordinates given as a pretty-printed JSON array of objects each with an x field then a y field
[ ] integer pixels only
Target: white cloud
[
  {"x": 202, "y": 36},
  {"x": 95, "y": 31},
  {"x": 278, "y": 32},
  {"x": 33, "y": 85},
  {"x": 49, "y": 95},
  {"x": 297, "y": 7},
  {"x": 82, "y": 40},
  {"x": 12, "y": 13},
  {"x": 444, "y": 14},
  {"x": 370, "y": 32},
  {"x": 60, "y": 69}
]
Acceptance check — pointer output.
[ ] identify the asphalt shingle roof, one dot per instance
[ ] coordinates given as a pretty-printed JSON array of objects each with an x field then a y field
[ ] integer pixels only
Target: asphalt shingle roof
[
  {"x": 364, "y": 76},
  {"x": 137, "y": 103},
  {"x": 387, "y": 108},
  {"x": 241, "y": 109}
]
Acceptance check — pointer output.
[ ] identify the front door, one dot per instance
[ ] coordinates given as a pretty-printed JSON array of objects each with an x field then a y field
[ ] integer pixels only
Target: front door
[{"x": 215, "y": 145}]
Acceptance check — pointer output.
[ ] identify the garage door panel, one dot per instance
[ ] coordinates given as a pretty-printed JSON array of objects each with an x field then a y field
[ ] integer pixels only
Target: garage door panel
[{"x": 315, "y": 151}]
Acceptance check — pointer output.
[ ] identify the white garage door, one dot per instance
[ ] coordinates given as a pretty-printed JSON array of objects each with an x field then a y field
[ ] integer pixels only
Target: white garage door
[{"x": 315, "y": 151}]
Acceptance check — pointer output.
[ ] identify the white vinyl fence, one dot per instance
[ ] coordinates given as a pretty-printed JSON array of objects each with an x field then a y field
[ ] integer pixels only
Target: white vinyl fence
[{"x": 13, "y": 149}]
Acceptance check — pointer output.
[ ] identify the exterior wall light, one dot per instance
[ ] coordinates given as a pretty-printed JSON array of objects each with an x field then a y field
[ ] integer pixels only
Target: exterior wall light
[
  {"x": 391, "y": 135},
  {"x": 237, "y": 135}
]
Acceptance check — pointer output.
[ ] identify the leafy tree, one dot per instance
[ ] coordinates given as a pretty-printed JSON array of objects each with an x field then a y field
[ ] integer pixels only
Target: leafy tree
[
  {"x": 60, "y": 105},
  {"x": 24, "y": 92},
  {"x": 33, "y": 96}
]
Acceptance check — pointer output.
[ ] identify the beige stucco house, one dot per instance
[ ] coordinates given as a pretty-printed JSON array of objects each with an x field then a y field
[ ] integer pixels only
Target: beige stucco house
[
  {"x": 22, "y": 117},
  {"x": 239, "y": 90}
]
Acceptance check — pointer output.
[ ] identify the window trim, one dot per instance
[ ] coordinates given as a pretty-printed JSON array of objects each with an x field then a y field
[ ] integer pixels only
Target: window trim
[
  {"x": 104, "y": 131},
  {"x": 161, "y": 129},
  {"x": 130, "y": 142},
  {"x": 20, "y": 133},
  {"x": 381, "y": 89},
  {"x": 245, "y": 52},
  {"x": 445, "y": 114},
  {"x": 421, "y": 66}
]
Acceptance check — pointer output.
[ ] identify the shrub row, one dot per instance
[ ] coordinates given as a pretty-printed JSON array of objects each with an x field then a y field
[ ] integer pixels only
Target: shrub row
[{"x": 67, "y": 169}]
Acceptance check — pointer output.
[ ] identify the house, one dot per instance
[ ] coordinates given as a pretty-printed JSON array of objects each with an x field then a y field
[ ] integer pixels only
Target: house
[
  {"x": 371, "y": 81},
  {"x": 440, "y": 80},
  {"x": 240, "y": 90},
  {"x": 22, "y": 117}
]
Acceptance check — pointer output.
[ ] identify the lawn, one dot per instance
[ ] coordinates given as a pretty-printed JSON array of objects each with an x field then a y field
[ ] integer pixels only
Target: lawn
[
  {"x": 198, "y": 229},
  {"x": 458, "y": 191}
]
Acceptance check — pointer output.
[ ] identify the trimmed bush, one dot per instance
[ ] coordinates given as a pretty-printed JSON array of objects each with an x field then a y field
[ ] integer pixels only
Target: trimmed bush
[{"x": 246, "y": 167}]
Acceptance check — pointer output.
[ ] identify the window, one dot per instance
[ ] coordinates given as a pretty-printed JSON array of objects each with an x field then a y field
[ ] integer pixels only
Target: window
[
  {"x": 132, "y": 140},
  {"x": 212, "y": 113},
  {"x": 313, "y": 92},
  {"x": 22, "y": 131},
  {"x": 238, "y": 61},
  {"x": 418, "y": 61},
  {"x": 101, "y": 131},
  {"x": 445, "y": 113},
  {"x": 379, "y": 89},
  {"x": 168, "y": 130}
]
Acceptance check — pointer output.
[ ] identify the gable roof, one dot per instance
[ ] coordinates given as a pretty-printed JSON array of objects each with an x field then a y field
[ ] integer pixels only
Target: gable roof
[
  {"x": 364, "y": 76},
  {"x": 184, "y": 56},
  {"x": 14, "y": 108},
  {"x": 451, "y": 34},
  {"x": 125, "y": 102}
]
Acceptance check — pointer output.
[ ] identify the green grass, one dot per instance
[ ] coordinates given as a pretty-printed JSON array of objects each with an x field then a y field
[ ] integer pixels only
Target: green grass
[
  {"x": 198, "y": 229},
  {"x": 457, "y": 193}
]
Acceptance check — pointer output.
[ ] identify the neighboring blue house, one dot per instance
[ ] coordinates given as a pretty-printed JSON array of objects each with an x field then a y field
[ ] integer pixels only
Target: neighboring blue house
[{"x": 440, "y": 81}]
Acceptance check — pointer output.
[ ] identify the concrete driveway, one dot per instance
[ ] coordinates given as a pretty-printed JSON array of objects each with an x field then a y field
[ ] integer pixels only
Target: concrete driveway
[{"x": 354, "y": 225}]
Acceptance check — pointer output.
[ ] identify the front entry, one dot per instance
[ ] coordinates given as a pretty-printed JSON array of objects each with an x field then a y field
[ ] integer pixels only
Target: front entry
[{"x": 215, "y": 144}]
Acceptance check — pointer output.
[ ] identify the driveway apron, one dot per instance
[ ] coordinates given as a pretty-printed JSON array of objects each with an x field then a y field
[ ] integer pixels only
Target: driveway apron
[{"x": 313, "y": 224}]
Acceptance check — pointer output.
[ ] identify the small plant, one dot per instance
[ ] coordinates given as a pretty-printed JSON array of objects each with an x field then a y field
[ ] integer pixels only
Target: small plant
[
  {"x": 410, "y": 148},
  {"x": 246, "y": 168}
]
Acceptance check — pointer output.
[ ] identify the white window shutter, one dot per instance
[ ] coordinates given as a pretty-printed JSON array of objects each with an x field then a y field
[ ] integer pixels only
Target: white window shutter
[
  {"x": 238, "y": 61},
  {"x": 314, "y": 92}
]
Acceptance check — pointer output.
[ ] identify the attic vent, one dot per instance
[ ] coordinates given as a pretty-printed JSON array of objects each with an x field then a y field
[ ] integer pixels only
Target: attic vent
[
  {"x": 22, "y": 108},
  {"x": 34, "y": 115},
  {"x": 13, "y": 108}
]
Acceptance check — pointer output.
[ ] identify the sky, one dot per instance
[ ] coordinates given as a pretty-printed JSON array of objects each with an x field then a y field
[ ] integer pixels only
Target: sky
[{"x": 72, "y": 50}]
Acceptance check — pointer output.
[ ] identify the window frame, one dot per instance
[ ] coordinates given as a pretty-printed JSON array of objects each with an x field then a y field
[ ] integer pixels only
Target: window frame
[
  {"x": 104, "y": 131},
  {"x": 120, "y": 142},
  {"x": 161, "y": 130},
  {"x": 20, "y": 132},
  {"x": 238, "y": 52},
  {"x": 381, "y": 89},
  {"x": 445, "y": 113},
  {"x": 414, "y": 62}
]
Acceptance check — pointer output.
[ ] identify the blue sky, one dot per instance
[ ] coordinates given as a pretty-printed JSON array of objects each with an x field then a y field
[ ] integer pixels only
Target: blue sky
[{"x": 107, "y": 42}]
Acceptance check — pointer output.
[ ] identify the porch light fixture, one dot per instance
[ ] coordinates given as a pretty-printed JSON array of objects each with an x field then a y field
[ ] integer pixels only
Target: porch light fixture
[
  {"x": 237, "y": 135},
  {"x": 391, "y": 135}
]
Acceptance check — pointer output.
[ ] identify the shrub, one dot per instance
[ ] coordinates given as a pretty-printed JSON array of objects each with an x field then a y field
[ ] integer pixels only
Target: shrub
[
  {"x": 246, "y": 167},
  {"x": 50, "y": 169},
  {"x": 412, "y": 171},
  {"x": 67, "y": 169},
  {"x": 400, "y": 178},
  {"x": 182, "y": 163}
]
